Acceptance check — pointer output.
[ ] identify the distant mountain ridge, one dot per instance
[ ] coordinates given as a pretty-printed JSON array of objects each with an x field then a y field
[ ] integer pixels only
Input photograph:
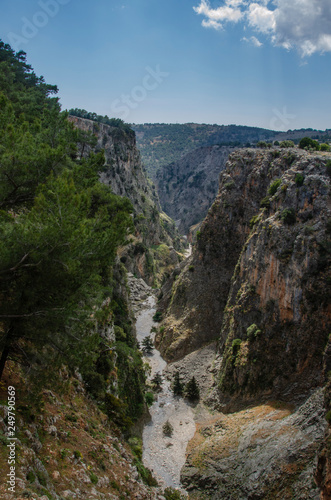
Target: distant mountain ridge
[{"x": 161, "y": 144}]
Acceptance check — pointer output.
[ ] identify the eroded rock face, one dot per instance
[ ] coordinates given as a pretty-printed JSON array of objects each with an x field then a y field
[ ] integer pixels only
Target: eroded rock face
[
  {"x": 124, "y": 173},
  {"x": 266, "y": 257},
  {"x": 188, "y": 186},
  {"x": 265, "y": 452}
]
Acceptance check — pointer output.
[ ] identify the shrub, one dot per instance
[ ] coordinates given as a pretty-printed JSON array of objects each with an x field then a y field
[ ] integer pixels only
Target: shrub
[
  {"x": 299, "y": 179},
  {"x": 253, "y": 221},
  {"x": 308, "y": 143},
  {"x": 328, "y": 417},
  {"x": 274, "y": 186},
  {"x": 252, "y": 332},
  {"x": 262, "y": 144},
  {"x": 149, "y": 398},
  {"x": 265, "y": 202},
  {"x": 236, "y": 343},
  {"x": 31, "y": 477},
  {"x": 325, "y": 147},
  {"x": 157, "y": 317},
  {"x": 287, "y": 144},
  {"x": 93, "y": 478},
  {"x": 192, "y": 390},
  {"x": 191, "y": 268},
  {"x": 178, "y": 386},
  {"x": 167, "y": 429},
  {"x": 288, "y": 216},
  {"x": 172, "y": 494},
  {"x": 328, "y": 167},
  {"x": 276, "y": 143}
]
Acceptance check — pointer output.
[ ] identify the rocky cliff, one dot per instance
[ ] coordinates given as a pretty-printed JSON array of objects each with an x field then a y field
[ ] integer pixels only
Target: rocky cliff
[
  {"x": 188, "y": 186},
  {"x": 124, "y": 172},
  {"x": 259, "y": 281},
  {"x": 264, "y": 253}
]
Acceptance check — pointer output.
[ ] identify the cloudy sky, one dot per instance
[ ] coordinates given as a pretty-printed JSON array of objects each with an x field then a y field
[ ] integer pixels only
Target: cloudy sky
[{"x": 265, "y": 62}]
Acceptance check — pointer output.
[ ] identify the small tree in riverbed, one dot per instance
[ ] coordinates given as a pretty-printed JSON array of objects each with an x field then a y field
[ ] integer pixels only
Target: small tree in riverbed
[
  {"x": 147, "y": 345},
  {"x": 178, "y": 386},
  {"x": 157, "y": 381},
  {"x": 167, "y": 429},
  {"x": 192, "y": 390}
]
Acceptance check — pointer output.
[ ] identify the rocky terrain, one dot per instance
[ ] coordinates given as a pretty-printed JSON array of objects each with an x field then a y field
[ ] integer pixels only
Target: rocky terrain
[
  {"x": 259, "y": 283},
  {"x": 188, "y": 186},
  {"x": 156, "y": 235}
]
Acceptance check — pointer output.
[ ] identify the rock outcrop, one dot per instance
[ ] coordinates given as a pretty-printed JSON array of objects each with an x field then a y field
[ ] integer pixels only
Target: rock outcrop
[
  {"x": 264, "y": 253},
  {"x": 124, "y": 172},
  {"x": 188, "y": 186}
]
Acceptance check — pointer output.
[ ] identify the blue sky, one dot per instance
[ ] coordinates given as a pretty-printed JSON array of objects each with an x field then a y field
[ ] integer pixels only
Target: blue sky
[{"x": 264, "y": 63}]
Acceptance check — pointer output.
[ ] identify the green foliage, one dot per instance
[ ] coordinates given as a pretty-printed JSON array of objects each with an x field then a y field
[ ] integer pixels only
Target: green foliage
[
  {"x": 147, "y": 344},
  {"x": 252, "y": 332},
  {"x": 192, "y": 391},
  {"x": 113, "y": 122},
  {"x": 262, "y": 144},
  {"x": 157, "y": 381},
  {"x": 177, "y": 385},
  {"x": 191, "y": 269},
  {"x": 288, "y": 216},
  {"x": 308, "y": 143},
  {"x": 274, "y": 186},
  {"x": 253, "y": 221},
  {"x": 167, "y": 429},
  {"x": 287, "y": 144},
  {"x": 93, "y": 478},
  {"x": 157, "y": 317},
  {"x": 265, "y": 202},
  {"x": 328, "y": 167},
  {"x": 31, "y": 477},
  {"x": 149, "y": 398},
  {"x": 325, "y": 147},
  {"x": 328, "y": 417},
  {"x": 173, "y": 494},
  {"x": 299, "y": 179}
]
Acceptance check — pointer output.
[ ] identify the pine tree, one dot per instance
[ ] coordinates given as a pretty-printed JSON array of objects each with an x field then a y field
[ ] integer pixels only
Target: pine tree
[
  {"x": 147, "y": 345},
  {"x": 157, "y": 381},
  {"x": 192, "y": 390},
  {"x": 178, "y": 386},
  {"x": 167, "y": 429}
]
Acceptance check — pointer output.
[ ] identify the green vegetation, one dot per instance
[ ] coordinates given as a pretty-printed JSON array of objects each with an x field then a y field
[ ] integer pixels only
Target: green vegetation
[
  {"x": 328, "y": 167},
  {"x": 252, "y": 332},
  {"x": 147, "y": 344},
  {"x": 325, "y": 147},
  {"x": 288, "y": 216},
  {"x": 265, "y": 202},
  {"x": 161, "y": 144},
  {"x": 192, "y": 391},
  {"x": 157, "y": 382},
  {"x": 60, "y": 230},
  {"x": 287, "y": 144},
  {"x": 274, "y": 186},
  {"x": 172, "y": 494},
  {"x": 157, "y": 317},
  {"x": 113, "y": 122},
  {"x": 177, "y": 385},
  {"x": 167, "y": 429},
  {"x": 93, "y": 478},
  {"x": 308, "y": 143},
  {"x": 299, "y": 179}
]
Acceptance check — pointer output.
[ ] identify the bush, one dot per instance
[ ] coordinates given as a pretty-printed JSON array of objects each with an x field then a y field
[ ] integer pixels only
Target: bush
[
  {"x": 236, "y": 343},
  {"x": 299, "y": 179},
  {"x": 149, "y": 398},
  {"x": 192, "y": 390},
  {"x": 287, "y": 144},
  {"x": 288, "y": 216},
  {"x": 265, "y": 202},
  {"x": 328, "y": 167},
  {"x": 167, "y": 429},
  {"x": 276, "y": 143},
  {"x": 157, "y": 317},
  {"x": 93, "y": 478},
  {"x": 191, "y": 268},
  {"x": 252, "y": 332},
  {"x": 274, "y": 186},
  {"x": 262, "y": 144},
  {"x": 253, "y": 221},
  {"x": 308, "y": 143},
  {"x": 177, "y": 386},
  {"x": 172, "y": 494},
  {"x": 325, "y": 147}
]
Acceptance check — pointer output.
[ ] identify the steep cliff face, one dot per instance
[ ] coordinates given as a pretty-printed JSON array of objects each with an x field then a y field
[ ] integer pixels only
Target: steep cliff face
[
  {"x": 188, "y": 186},
  {"x": 124, "y": 172},
  {"x": 270, "y": 266}
]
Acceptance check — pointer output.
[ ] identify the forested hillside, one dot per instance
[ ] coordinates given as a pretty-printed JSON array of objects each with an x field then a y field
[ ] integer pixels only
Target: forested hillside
[
  {"x": 66, "y": 330},
  {"x": 161, "y": 144}
]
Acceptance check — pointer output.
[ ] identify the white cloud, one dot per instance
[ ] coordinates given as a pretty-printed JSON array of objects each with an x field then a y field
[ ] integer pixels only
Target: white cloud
[
  {"x": 253, "y": 40},
  {"x": 215, "y": 17},
  {"x": 301, "y": 24},
  {"x": 261, "y": 18}
]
